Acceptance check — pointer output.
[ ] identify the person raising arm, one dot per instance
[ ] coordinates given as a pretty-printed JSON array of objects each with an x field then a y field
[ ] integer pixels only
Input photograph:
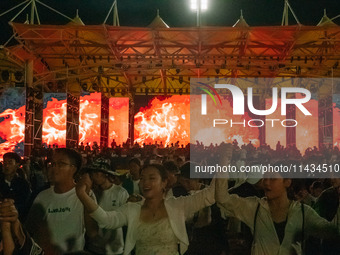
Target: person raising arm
[
  {"x": 155, "y": 225},
  {"x": 279, "y": 225}
]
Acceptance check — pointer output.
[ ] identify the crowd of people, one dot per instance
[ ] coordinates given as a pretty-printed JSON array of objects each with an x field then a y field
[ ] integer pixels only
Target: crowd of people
[{"x": 142, "y": 200}]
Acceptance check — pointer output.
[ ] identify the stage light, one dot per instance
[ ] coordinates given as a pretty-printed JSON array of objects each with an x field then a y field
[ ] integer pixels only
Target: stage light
[
  {"x": 18, "y": 76},
  {"x": 199, "y": 6},
  {"x": 50, "y": 86},
  {"x": 298, "y": 70},
  {"x": 5, "y": 75},
  {"x": 95, "y": 86},
  {"x": 112, "y": 92},
  {"x": 83, "y": 86},
  {"x": 61, "y": 86}
]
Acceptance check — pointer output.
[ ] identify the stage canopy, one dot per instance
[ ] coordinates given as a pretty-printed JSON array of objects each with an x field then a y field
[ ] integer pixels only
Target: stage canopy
[{"x": 160, "y": 60}]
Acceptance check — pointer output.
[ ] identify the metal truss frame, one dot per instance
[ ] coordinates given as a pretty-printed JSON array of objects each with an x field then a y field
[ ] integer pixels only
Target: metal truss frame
[{"x": 163, "y": 60}]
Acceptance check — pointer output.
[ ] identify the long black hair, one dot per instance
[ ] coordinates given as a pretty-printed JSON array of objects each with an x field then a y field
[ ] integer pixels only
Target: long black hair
[{"x": 161, "y": 169}]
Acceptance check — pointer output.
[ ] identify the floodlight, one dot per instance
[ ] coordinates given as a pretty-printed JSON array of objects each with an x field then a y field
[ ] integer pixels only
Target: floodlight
[{"x": 195, "y": 3}]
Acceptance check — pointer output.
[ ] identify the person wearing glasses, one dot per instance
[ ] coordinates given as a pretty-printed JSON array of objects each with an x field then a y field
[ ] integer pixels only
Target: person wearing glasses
[{"x": 57, "y": 220}]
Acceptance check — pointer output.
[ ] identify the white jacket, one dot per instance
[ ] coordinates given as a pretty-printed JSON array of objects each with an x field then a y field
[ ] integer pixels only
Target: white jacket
[
  {"x": 266, "y": 241},
  {"x": 178, "y": 210}
]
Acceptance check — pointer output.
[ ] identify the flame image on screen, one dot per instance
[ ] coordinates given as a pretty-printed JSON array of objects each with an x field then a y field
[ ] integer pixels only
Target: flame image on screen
[
  {"x": 165, "y": 121},
  {"x": 12, "y": 129},
  {"x": 202, "y": 129},
  {"x": 89, "y": 118},
  {"x": 54, "y": 123},
  {"x": 118, "y": 120}
]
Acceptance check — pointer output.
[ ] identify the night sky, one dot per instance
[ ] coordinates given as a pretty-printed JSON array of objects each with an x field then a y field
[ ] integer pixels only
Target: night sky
[{"x": 176, "y": 13}]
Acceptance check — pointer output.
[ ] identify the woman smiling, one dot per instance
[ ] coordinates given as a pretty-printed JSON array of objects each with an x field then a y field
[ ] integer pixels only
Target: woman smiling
[{"x": 155, "y": 225}]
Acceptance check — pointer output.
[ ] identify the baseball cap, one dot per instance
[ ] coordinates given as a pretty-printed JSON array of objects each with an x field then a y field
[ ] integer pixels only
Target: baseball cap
[{"x": 102, "y": 165}]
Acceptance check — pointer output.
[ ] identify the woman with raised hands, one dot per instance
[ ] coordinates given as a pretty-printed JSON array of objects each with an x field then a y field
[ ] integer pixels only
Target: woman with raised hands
[
  {"x": 279, "y": 225},
  {"x": 154, "y": 225}
]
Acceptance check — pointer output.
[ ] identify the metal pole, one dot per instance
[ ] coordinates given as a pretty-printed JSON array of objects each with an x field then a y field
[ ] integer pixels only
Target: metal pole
[
  {"x": 287, "y": 14},
  {"x": 21, "y": 10},
  {"x": 53, "y": 10},
  {"x": 131, "y": 118},
  {"x": 13, "y": 8},
  {"x": 32, "y": 12},
  {"x": 198, "y": 13},
  {"x": 108, "y": 14},
  {"x": 29, "y": 112},
  {"x": 36, "y": 13},
  {"x": 291, "y": 9},
  {"x": 115, "y": 14}
]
